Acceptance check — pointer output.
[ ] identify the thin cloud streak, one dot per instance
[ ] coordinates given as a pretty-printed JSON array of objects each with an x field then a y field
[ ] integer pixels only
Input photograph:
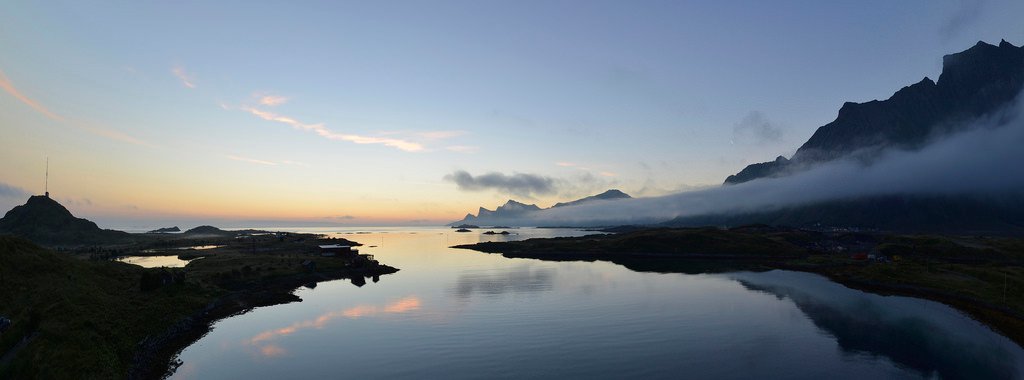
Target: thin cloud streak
[
  {"x": 272, "y": 100},
  {"x": 251, "y": 160},
  {"x": 322, "y": 131},
  {"x": 6, "y": 84},
  {"x": 113, "y": 135},
  {"x": 185, "y": 78}
]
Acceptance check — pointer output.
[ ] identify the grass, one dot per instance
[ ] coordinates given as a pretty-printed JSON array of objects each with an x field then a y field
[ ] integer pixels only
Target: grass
[{"x": 90, "y": 315}]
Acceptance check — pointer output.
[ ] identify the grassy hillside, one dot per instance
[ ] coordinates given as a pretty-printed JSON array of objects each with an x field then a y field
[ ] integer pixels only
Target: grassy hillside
[{"x": 86, "y": 317}]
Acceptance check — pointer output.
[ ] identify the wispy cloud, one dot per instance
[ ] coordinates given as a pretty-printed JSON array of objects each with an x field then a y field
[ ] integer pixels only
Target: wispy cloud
[
  {"x": 322, "y": 131},
  {"x": 270, "y": 100},
  {"x": 6, "y": 84},
  {"x": 112, "y": 134},
  {"x": 186, "y": 79},
  {"x": 755, "y": 128},
  {"x": 967, "y": 14},
  {"x": 251, "y": 160}
]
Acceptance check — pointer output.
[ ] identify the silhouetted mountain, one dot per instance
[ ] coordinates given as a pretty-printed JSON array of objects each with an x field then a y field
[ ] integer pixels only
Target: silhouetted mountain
[
  {"x": 510, "y": 209},
  {"x": 513, "y": 209},
  {"x": 44, "y": 221},
  {"x": 755, "y": 171},
  {"x": 610, "y": 194},
  {"x": 165, "y": 230},
  {"x": 973, "y": 83}
]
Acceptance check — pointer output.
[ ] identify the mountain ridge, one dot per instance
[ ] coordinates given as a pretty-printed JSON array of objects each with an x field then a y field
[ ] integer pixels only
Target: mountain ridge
[
  {"x": 973, "y": 83},
  {"x": 515, "y": 209}
]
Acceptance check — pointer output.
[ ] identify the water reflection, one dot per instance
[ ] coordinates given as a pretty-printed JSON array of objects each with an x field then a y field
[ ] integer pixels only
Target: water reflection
[
  {"x": 260, "y": 341},
  {"x": 459, "y": 314},
  {"x": 928, "y": 338},
  {"x": 155, "y": 261},
  {"x": 521, "y": 278}
]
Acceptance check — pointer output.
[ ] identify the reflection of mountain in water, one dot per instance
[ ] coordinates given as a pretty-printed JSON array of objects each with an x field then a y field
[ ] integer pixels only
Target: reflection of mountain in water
[
  {"x": 925, "y": 339},
  {"x": 523, "y": 278}
]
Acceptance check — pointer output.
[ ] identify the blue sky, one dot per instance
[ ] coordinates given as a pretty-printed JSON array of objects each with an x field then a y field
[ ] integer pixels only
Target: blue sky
[{"x": 358, "y": 112}]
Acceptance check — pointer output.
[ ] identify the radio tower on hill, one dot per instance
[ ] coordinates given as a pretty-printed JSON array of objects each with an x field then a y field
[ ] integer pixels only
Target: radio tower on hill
[{"x": 46, "y": 180}]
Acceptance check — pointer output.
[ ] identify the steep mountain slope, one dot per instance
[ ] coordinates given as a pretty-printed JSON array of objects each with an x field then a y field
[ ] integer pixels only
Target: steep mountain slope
[{"x": 976, "y": 82}]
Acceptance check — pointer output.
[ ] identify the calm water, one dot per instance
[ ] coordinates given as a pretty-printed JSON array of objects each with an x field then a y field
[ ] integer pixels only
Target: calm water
[
  {"x": 463, "y": 314},
  {"x": 169, "y": 261}
]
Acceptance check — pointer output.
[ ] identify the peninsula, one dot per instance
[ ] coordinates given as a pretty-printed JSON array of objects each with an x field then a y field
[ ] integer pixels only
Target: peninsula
[{"x": 75, "y": 310}]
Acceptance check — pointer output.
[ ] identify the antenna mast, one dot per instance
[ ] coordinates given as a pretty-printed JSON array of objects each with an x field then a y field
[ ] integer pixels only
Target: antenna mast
[{"x": 46, "y": 183}]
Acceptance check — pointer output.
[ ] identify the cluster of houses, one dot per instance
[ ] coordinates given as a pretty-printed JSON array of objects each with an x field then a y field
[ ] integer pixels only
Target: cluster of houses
[
  {"x": 874, "y": 256},
  {"x": 348, "y": 253}
]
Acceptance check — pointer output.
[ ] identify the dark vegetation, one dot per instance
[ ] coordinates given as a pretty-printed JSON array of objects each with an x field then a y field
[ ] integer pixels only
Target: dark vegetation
[
  {"x": 76, "y": 314},
  {"x": 982, "y": 276}
]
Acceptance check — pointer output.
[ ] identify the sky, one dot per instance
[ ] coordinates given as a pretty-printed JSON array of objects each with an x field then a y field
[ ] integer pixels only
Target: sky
[{"x": 412, "y": 112}]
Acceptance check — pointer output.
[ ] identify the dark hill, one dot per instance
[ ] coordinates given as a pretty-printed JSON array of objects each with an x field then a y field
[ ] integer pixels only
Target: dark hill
[
  {"x": 207, "y": 230},
  {"x": 165, "y": 230},
  {"x": 44, "y": 221},
  {"x": 973, "y": 83}
]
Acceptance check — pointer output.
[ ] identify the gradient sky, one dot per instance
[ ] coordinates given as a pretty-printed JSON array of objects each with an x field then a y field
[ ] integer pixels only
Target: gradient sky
[{"x": 156, "y": 113}]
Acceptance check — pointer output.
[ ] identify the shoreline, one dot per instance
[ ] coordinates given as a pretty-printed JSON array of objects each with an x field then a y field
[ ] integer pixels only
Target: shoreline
[
  {"x": 156, "y": 356},
  {"x": 999, "y": 319},
  {"x": 851, "y": 274}
]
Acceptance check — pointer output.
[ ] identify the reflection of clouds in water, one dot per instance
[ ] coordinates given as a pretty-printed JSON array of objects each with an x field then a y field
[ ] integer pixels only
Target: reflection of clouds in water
[
  {"x": 403, "y": 305},
  {"x": 924, "y": 336},
  {"x": 522, "y": 278},
  {"x": 272, "y": 350}
]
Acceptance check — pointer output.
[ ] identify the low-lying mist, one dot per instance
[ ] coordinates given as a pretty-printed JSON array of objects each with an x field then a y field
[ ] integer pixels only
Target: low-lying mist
[{"x": 985, "y": 159}]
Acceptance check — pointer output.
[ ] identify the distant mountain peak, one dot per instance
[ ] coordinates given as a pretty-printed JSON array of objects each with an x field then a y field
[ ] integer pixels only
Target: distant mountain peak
[
  {"x": 607, "y": 195},
  {"x": 514, "y": 209}
]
